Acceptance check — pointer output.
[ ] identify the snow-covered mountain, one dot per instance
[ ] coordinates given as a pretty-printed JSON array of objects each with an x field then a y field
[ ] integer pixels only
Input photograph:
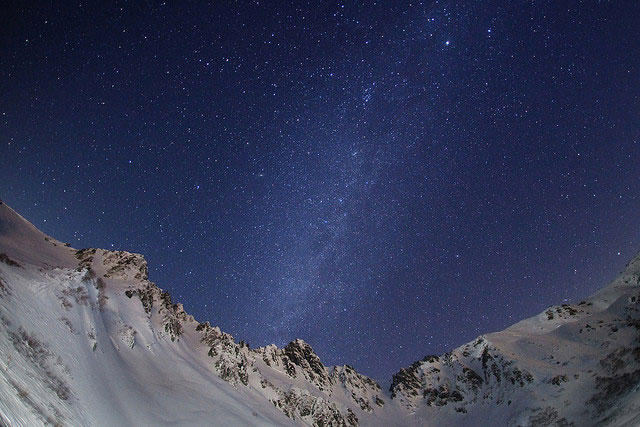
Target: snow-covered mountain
[
  {"x": 87, "y": 339},
  {"x": 570, "y": 365}
]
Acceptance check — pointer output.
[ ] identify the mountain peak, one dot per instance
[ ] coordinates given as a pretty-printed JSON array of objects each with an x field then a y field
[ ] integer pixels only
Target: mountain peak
[{"x": 114, "y": 264}]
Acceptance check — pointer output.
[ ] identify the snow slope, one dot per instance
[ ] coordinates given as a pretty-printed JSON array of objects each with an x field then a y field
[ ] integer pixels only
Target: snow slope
[{"x": 87, "y": 339}]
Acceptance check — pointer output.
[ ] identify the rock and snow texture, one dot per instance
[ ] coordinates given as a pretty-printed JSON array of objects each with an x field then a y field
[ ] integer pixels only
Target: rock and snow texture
[
  {"x": 570, "y": 365},
  {"x": 87, "y": 339}
]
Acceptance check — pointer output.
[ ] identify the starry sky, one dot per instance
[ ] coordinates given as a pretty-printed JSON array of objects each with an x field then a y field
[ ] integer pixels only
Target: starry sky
[{"x": 384, "y": 180}]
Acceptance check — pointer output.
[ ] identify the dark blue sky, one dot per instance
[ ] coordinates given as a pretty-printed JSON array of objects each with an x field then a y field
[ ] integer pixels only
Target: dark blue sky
[{"x": 384, "y": 180}]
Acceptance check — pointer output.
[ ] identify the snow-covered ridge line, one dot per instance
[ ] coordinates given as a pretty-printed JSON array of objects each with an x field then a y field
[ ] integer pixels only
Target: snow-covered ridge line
[
  {"x": 87, "y": 339},
  {"x": 103, "y": 301},
  {"x": 237, "y": 363}
]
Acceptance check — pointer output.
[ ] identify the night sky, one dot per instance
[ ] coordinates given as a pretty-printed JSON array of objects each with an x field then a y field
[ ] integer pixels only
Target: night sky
[{"x": 384, "y": 180}]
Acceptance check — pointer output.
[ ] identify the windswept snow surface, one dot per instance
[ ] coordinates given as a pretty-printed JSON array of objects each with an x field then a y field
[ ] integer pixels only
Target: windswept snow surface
[{"x": 86, "y": 339}]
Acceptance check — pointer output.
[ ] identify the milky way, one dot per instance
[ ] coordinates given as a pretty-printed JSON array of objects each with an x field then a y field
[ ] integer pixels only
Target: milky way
[{"x": 382, "y": 180}]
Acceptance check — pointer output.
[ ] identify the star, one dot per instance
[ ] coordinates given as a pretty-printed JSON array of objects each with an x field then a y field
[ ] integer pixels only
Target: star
[{"x": 305, "y": 172}]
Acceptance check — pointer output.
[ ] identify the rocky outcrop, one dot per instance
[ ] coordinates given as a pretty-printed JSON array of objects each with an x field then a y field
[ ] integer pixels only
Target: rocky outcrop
[
  {"x": 173, "y": 316},
  {"x": 229, "y": 358},
  {"x": 308, "y": 364},
  {"x": 125, "y": 265},
  {"x": 145, "y": 294},
  {"x": 408, "y": 381},
  {"x": 117, "y": 264}
]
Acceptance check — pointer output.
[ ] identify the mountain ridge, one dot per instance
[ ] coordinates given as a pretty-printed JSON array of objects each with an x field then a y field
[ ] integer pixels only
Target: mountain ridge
[{"x": 124, "y": 330}]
